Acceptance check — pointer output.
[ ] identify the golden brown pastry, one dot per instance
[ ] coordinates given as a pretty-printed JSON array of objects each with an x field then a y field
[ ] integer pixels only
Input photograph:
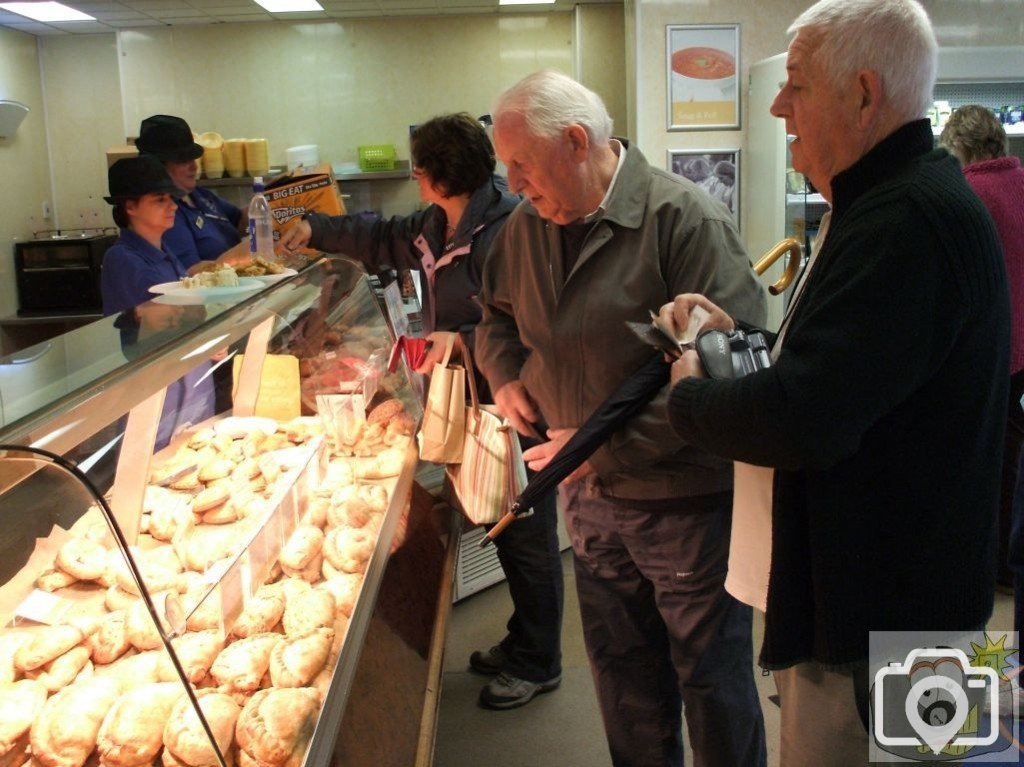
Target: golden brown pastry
[
  {"x": 19, "y": 753},
  {"x": 205, "y": 608},
  {"x": 263, "y": 611},
  {"x": 242, "y": 664},
  {"x": 210, "y": 498},
  {"x": 386, "y": 463},
  {"x": 305, "y": 612},
  {"x": 201, "y": 438},
  {"x": 132, "y": 732},
  {"x": 301, "y": 548},
  {"x": 316, "y": 512},
  {"x": 275, "y": 722},
  {"x": 296, "y": 661},
  {"x": 217, "y": 469},
  {"x": 10, "y": 641},
  {"x": 196, "y": 651},
  {"x": 53, "y": 579},
  {"x": 82, "y": 558},
  {"x": 133, "y": 668},
  {"x": 309, "y": 575},
  {"x": 140, "y": 627},
  {"x": 168, "y": 515},
  {"x": 117, "y": 598},
  {"x": 46, "y": 644},
  {"x": 62, "y": 670},
  {"x": 344, "y": 587},
  {"x": 349, "y": 548},
  {"x": 185, "y": 739},
  {"x": 20, "y": 703},
  {"x": 64, "y": 734},
  {"x": 110, "y": 641},
  {"x": 353, "y": 512}
]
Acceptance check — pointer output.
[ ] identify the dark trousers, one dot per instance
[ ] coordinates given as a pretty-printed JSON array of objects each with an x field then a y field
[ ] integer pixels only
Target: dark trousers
[
  {"x": 528, "y": 552},
  {"x": 662, "y": 633}
]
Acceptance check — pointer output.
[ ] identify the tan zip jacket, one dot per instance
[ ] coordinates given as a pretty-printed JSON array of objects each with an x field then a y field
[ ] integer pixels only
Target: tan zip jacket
[{"x": 658, "y": 236}]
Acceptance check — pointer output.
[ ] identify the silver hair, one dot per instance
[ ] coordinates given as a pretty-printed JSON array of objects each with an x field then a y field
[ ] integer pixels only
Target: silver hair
[
  {"x": 893, "y": 38},
  {"x": 550, "y": 101}
]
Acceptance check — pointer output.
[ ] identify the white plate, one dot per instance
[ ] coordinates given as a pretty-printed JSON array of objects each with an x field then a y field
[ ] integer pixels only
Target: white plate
[
  {"x": 270, "y": 279},
  {"x": 245, "y": 285}
]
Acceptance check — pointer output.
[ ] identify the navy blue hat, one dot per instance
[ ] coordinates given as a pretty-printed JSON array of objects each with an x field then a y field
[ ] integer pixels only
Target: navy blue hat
[
  {"x": 169, "y": 138},
  {"x": 131, "y": 177}
]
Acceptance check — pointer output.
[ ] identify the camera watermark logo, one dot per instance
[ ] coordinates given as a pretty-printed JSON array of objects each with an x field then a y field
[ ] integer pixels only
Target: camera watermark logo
[{"x": 948, "y": 699}]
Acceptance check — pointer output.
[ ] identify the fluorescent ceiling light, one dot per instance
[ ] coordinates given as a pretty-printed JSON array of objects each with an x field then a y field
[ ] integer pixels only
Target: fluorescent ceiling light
[
  {"x": 47, "y": 12},
  {"x": 290, "y": 6},
  {"x": 524, "y": 2}
]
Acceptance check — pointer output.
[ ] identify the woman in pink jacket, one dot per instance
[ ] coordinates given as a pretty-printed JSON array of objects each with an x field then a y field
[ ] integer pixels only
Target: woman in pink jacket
[{"x": 976, "y": 137}]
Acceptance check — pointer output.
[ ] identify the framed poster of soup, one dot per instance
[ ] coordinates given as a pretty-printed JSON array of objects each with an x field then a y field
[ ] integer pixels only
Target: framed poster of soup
[{"x": 703, "y": 65}]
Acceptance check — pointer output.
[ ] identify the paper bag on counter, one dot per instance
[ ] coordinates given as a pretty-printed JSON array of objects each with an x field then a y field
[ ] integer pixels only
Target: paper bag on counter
[{"x": 300, "y": 191}]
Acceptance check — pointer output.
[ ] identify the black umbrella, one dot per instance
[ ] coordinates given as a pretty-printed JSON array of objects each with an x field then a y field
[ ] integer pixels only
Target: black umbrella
[{"x": 632, "y": 394}]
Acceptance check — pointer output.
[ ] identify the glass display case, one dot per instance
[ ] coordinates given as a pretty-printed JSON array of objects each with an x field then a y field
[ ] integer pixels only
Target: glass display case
[{"x": 216, "y": 551}]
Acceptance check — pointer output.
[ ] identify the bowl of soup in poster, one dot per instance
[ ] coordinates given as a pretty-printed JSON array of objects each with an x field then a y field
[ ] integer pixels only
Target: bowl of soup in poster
[{"x": 702, "y": 73}]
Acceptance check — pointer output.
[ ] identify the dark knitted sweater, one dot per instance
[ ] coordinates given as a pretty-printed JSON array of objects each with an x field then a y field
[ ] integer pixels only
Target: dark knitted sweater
[{"x": 883, "y": 414}]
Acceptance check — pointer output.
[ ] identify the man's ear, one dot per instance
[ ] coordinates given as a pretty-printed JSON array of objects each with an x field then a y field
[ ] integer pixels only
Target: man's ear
[
  {"x": 870, "y": 95},
  {"x": 578, "y": 141}
]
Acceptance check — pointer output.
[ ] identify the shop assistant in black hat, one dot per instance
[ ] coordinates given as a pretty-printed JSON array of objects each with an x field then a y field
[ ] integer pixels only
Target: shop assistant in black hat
[{"x": 205, "y": 225}]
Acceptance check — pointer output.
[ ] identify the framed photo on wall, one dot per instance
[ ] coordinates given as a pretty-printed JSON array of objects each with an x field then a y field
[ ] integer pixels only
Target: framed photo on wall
[
  {"x": 716, "y": 171},
  {"x": 702, "y": 71}
]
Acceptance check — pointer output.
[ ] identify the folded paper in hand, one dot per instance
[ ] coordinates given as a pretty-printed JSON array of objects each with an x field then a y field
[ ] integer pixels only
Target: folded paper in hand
[
  {"x": 661, "y": 336},
  {"x": 414, "y": 349}
]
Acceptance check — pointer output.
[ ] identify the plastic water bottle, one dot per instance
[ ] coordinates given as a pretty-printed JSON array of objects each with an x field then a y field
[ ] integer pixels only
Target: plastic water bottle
[{"x": 261, "y": 224}]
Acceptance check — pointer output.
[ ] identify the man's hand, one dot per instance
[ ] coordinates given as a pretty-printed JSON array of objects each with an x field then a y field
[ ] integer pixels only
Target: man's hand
[
  {"x": 435, "y": 352},
  {"x": 676, "y": 314},
  {"x": 516, "y": 404},
  {"x": 687, "y": 366},
  {"x": 295, "y": 238},
  {"x": 539, "y": 456}
]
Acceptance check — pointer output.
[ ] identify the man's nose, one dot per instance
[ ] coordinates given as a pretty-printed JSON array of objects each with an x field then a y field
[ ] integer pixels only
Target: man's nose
[{"x": 780, "y": 104}]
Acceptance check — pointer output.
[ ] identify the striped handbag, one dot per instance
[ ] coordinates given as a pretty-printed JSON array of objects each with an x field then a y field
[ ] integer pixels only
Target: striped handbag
[{"x": 492, "y": 473}]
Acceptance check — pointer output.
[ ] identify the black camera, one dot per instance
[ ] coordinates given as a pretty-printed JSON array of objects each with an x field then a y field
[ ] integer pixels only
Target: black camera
[{"x": 733, "y": 354}]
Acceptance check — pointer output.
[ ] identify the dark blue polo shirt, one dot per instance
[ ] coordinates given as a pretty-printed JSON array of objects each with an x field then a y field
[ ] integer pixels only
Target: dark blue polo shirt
[
  {"x": 203, "y": 228},
  {"x": 131, "y": 266}
]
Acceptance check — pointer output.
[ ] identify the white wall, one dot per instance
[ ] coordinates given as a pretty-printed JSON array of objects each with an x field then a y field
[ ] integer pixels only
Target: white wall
[
  {"x": 84, "y": 118},
  {"x": 23, "y": 157},
  {"x": 763, "y": 34}
]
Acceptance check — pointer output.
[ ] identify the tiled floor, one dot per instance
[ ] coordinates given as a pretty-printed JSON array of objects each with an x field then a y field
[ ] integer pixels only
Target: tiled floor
[{"x": 559, "y": 729}]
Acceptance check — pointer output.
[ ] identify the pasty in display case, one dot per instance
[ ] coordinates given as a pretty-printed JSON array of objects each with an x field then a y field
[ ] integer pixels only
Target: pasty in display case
[{"x": 208, "y": 586}]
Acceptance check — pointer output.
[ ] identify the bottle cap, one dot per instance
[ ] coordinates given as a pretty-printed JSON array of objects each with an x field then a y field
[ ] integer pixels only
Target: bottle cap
[{"x": 257, "y": 183}]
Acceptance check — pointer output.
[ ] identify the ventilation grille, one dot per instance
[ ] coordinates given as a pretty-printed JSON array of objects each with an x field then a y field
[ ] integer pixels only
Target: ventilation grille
[{"x": 476, "y": 568}]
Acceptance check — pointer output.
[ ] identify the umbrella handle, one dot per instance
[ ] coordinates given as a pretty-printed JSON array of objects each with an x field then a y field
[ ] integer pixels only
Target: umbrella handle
[
  {"x": 792, "y": 265},
  {"x": 505, "y": 521}
]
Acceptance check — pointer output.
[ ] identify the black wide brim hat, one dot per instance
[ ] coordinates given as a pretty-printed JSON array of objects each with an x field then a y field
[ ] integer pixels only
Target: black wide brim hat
[
  {"x": 168, "y": 138},
  {"x": 131, "y": 177}
]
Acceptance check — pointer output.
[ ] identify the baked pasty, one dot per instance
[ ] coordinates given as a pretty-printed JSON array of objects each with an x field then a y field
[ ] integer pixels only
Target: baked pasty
[
  {"x": 132, "y": 732},
  {"x": 296, "y": 661},
  {"x": 9, "y": 643},
  {"x": 62, "y": 670},
  {"x": 64, "y": 734},
  {"x": 133, "y": 668},
  {"x": 344, "y": 587},
  {"x": 140, "y": 627},
  {"x": 262, "y": 612},
  {"x": 275, "y": 722},
  {"x": 349, "y": 548},
  {"x": 45, "y": 645},
  {"x": 82, "y": 558},
  {"x": 20, "y": 703},
  {"x": 308, "y": 611},
  {"x": 301, "y": 548},
  {"x": 242, "y": 664},
  {"x": 110, "y": 641},
  {"x": 185, "y": 739},
  {"x": 196, "y": 652}
]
